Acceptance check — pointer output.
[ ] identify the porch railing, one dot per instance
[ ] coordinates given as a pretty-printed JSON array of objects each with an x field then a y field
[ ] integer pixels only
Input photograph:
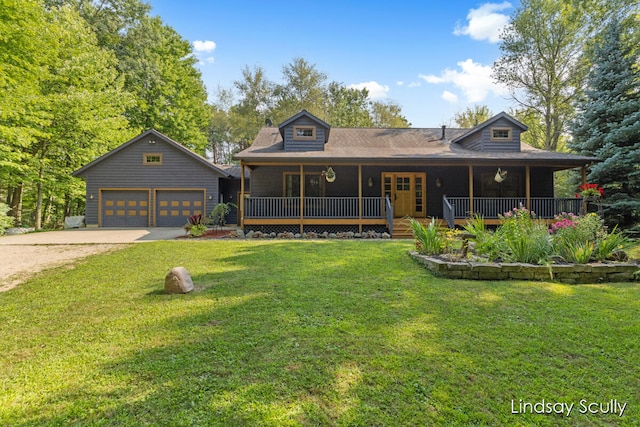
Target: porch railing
[
  {"x": 313, "y": 207},
  {"x": 491, "y": 207},
  {"x": 388, "y": 207},
  {"x": 448, "y": 212}
]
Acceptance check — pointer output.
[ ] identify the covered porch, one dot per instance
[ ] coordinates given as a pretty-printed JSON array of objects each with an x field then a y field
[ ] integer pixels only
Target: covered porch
[{"x": 280, "y": 197}]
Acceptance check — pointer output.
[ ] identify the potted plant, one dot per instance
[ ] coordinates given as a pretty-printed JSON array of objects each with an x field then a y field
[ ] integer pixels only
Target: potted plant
[
  {"x": 329, "y": 174},
  {"x": 590, "y": 191}
]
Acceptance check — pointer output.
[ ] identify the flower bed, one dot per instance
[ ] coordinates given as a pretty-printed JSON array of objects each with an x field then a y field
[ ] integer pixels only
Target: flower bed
[{"x": 566, "y": 273}]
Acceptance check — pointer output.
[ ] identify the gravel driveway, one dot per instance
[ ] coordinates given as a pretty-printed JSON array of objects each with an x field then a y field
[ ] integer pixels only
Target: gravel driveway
[
  {"x": 23, "y": 255},
  {"x": 21, "y": 261}
]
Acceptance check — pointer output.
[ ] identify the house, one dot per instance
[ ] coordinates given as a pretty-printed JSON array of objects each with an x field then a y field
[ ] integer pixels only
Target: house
[
  {"x": 382, "y": 175},
  {"x": 152, "y": 181}
]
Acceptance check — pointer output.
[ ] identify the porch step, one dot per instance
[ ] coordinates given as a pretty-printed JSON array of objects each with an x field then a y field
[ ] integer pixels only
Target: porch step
[{"x": 402, "y": 229}]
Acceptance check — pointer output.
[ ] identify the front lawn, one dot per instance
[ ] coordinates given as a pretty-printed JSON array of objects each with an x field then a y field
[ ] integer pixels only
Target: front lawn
[{"x": 284, "y": 333}]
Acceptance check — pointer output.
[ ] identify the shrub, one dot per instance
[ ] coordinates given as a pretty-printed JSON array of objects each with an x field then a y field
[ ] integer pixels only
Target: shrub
[
  {"x": 523, "y": 238},
  {"x": 196, "y": 225},
  {"x": 220, "y": 212},
  {"x": 606, "y": 244},
  {"x": 486, "y": 242},
  {"x": 5, "y": 220},
  {"x": 428, "y": 239}
]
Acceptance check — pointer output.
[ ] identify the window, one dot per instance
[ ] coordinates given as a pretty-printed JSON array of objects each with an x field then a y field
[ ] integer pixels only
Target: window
[
  {"x": 304, "y": 132},
  {"x": 312, "y": 185},
  {"x": 501, "y": 134},
  {"x": 152, "y": 159}
]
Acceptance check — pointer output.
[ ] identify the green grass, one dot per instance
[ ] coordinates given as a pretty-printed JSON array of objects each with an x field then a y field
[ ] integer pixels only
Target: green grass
[{"x": 284, "y": 333}]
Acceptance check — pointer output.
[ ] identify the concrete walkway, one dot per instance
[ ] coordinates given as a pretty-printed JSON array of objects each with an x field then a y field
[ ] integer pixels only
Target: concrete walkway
[{"x": 94, "y": 236}]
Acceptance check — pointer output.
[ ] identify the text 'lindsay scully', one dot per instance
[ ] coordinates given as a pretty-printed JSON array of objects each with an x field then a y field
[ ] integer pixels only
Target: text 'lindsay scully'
[{"x": 544, "y": 407}]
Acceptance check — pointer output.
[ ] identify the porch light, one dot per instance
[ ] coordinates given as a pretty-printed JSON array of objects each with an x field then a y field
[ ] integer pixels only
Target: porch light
[
  {"x": 370, "y": 182},
  {"x": 152, "y": 141},
  {"x": 91, "y": 196},
  {"x": 438, "y": 182}
]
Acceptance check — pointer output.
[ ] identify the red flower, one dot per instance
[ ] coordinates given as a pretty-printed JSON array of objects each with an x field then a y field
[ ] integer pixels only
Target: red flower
[{"x": 590, "y": 190}]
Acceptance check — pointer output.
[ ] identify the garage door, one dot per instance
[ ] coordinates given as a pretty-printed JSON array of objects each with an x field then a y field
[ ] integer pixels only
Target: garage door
[
  {"x": 174, "y": 207},
  {"x": 125, "y": 208}
]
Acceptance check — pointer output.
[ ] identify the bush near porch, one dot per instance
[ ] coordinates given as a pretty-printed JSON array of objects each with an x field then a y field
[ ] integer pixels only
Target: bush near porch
[
  {"x": 287, "y": 333},
  {"x": 521, "y": 237}
]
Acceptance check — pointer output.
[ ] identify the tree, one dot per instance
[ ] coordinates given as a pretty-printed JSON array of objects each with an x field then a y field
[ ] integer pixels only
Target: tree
[
  {"x": 109, "y": 19},
  {"x": 83, "y": 95},
  {"x": 472, "y": 116},
  {"x": 542, "y": 61},
  {"x": 388, "y": 114},
  {"x": 347, "y": 107},
  {"x": 303, "y": 89},
  {"x": 608, "y": 122},
  {"x": 25, "y": 45},
  {"x": 160, "y": 72},
  {"x": 255, "y": 106}
]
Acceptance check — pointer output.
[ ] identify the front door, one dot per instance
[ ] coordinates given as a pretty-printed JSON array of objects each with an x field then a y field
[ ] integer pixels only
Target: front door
[
  {"x": 403, "y": 197},
  {"x": 406, "y": 192}
]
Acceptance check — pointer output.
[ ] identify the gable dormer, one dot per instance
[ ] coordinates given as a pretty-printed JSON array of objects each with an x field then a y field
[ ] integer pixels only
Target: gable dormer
[
  {"x": 304, "y": 132},
  {"x": 501, "y": 133}
]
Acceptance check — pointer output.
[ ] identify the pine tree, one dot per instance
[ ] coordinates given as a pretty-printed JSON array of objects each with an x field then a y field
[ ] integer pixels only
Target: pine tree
[{"x": 608, "y": 125}]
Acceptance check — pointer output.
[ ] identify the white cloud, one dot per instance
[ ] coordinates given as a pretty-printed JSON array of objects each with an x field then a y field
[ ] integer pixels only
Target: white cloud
[
  {"x": 473, "y": 79},
  {"x": 376, "y": 90},
  {"x": 399, "y": 82},
  {"x": 415, "y": 84},
  {"x": 204, "y": 46},
  {"x": 484, "y": 23},
  {"x": 450, "y": 97}
]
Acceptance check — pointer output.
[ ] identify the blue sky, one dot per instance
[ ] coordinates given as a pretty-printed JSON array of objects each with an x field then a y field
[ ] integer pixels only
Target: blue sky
[{"x": 431, "y": 57}]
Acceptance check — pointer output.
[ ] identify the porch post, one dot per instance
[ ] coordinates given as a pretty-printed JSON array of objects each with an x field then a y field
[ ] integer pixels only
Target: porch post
[
  {"x": 301, "y": 196},
  {"x": 360, "y": 198},
  {"x": 528, "y": 186},
  {"x": 241, "y": 205},
  {"x": 470, "y": 191},
  {"x": 583, "y": 169}
]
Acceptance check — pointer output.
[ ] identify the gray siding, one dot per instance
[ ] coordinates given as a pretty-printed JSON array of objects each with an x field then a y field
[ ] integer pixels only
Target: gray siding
[
  {"x": 125, "y": 169},
  {"x": 481, "y": 141},
  {"x": 291, "y": 144}
]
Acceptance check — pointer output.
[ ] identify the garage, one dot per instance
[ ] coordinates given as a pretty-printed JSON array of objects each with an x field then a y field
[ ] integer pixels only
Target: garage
[
  {"x": 125, "y": 208},
  {"x": 175, "y": 206}
]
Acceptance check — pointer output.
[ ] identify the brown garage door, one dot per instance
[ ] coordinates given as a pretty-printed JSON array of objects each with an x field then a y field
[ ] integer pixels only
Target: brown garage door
[
  {"x": 125, "y": 208},
  {"x": 174, "y": 207}
]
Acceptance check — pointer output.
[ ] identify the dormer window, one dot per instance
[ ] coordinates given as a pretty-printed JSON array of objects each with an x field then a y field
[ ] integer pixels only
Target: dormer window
[
  {"x": 501, "y": 134},
  {"x": 304, "y": 132}
]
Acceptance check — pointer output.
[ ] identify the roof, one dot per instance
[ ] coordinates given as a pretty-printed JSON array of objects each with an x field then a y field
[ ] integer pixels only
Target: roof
[
  {"x": 304, "y": 113},
  {"x": 233, "y": 170},
  {"x": 489, "y": 122},
  {"x": 155, "y": 133},
  {"x": 376, "y": 145}
]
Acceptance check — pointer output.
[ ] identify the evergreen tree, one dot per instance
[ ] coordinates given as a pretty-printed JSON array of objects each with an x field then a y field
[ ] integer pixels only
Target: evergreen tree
[{"x": 608, "y": 124}]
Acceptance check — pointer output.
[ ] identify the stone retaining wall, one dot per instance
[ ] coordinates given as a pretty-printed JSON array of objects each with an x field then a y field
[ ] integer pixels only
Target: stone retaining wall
[{"x": 569, "y": 273}]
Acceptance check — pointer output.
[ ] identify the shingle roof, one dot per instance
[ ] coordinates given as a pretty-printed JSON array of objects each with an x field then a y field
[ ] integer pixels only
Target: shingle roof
[
  {"x": 396, "y": 145},
  {"x": 233, "y": 170},
  {"x": 156, "y": 134}
]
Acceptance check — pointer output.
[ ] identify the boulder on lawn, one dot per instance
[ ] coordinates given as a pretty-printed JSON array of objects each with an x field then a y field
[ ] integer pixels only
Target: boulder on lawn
[{"x": 178, "y": 281}]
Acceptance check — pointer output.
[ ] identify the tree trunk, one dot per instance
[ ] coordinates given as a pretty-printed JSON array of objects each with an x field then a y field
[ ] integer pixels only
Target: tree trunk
[
  {"x": 40, "y": 189},
  {"x": 16, "y": 204}
]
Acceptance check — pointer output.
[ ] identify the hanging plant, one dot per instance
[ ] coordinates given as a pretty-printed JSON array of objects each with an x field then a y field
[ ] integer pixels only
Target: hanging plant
[{"x": 329, "y": 174}]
